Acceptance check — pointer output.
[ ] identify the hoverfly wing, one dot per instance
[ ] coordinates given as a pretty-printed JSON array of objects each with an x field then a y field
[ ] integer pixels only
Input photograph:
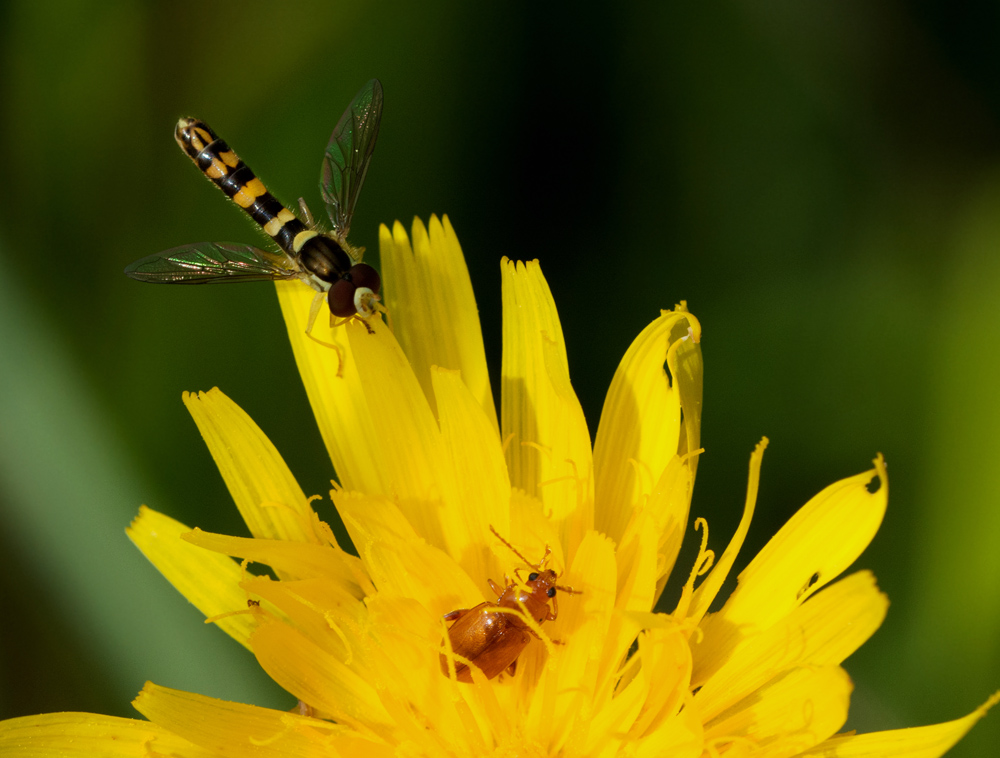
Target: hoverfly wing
[
  {"x": 211, "y": 263},
  {"x": 346, "y": 162}
]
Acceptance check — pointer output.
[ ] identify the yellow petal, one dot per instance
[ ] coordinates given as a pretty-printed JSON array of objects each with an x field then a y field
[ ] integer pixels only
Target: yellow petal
[
  {"x": 636, "y": 569},
  {"x": 531, "y": 533},
  {"x": 324, "y": 612},
  {"x": 399, "y": 561},
  {"x": 709, "y": 588},
  {"x": 236, "y": 730},
  {"x": 647, "y": 701},
  {"x": 471, "y": 444},
  {"x": 678, "y": 737},
  {"x": 550, "y": 456},
  {"x": 264, "y": 490},
  {"x": 412, "y": 452},
  {"x": 318, "y": 678},
  {"x": 821, "y": 540},
  {"x": 561, "y": 705},
  {"x": 429, "y": 296},
  {"x": 89, "y": 735},
  {"x": 788, "y": 716},
  {"x": 917, "y": 742},
  {"x": 636, "y": 558},
  {"x": 334, "y": 389},
  {"x": 209, "y": 580},
  {"x": 687, "y": 368},
  {"x": 610, "y": 725},
  {"x": 295, "y": 560},
  {"x": 406, "y": 671},
  {"x": 640, "y": 429},
  {"x": 668, "y": 508},
  {"x": 823, "y": 631},
  {"x": 666, "y": 673}
]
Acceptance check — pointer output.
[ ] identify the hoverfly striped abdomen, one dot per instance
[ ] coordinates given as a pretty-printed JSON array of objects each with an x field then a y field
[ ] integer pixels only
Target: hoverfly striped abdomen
[{"x": 235, "y": 178}]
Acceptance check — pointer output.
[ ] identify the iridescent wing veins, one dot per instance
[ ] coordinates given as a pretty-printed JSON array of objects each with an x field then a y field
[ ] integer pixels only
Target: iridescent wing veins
[
  {"x": 212, "y": 263},
  {"x": 346, "y": 162}
]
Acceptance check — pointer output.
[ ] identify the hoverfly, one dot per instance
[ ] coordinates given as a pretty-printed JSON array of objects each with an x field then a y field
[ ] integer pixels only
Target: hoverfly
[{"x": 325, "y": 261}]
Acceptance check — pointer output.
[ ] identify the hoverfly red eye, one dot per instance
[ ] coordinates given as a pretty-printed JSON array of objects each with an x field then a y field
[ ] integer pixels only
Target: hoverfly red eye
[
  {"x": 363, "y": 275},
  {"x": 341, "y": 298},
  {"x": 551, "y": 592},
  {"x": 532, "y": 576}
]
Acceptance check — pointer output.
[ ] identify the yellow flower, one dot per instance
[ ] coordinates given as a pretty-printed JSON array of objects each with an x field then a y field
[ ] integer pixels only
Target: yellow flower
[{"x": 427, "y": 471}]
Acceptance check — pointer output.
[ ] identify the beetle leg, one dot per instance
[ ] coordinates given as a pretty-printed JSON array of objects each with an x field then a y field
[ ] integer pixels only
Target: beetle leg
[
  {"x": 535, "y": 635},
  {"x": 512, "y": 668},
  {"x": 455, "y": 615},
  {"x": 496, "y": 587},
  {"x": 554, "y": 613}
]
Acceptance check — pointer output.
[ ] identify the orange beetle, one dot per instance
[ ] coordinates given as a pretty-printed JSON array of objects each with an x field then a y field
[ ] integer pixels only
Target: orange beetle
[{"x": 493, "y": 639}]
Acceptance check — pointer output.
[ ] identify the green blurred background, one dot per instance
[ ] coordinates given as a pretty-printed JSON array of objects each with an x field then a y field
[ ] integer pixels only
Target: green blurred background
[{"x": 820, "y": 181}]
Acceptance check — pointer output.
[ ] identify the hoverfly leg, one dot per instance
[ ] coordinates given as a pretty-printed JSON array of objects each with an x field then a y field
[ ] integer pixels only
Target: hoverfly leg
[
  {"x": 317, "y": 303},
  {"x": 314, "y": 307},
  {"x": 388, "y": 316},
  {"x": 305, "y": 212},
  {"x": 335, "y": 322},
  {"x": 337, "y": 348}
]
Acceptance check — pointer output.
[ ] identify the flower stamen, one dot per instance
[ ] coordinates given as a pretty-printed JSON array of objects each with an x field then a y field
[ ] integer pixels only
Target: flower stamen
[{"x": 702, "y": 564}]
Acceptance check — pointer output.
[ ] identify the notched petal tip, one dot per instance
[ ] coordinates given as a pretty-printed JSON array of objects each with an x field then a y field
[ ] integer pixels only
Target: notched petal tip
[{"x": 880, "y": 478}]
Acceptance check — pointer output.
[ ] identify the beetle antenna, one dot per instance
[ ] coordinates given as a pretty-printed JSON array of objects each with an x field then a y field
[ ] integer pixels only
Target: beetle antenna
[
  {"x": 515, "y": 552},
  {"x": 568, "y": 590}
]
